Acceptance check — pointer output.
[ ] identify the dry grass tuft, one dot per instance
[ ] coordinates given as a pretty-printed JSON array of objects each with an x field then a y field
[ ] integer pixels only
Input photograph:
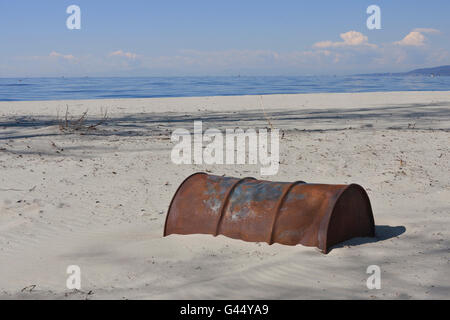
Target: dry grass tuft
[{"x": 79, "y": 124}]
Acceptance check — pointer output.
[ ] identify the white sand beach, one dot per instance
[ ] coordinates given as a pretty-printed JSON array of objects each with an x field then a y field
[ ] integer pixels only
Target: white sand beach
[{"x": 98, "y": 198}]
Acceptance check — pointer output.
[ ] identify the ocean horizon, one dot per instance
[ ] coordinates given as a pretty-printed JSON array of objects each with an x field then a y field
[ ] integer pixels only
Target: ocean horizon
[{"x": 79, "y": 88}]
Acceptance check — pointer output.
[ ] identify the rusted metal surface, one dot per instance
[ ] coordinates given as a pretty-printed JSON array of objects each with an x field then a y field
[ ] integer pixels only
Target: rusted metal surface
[{"x": 319, "y": 215}]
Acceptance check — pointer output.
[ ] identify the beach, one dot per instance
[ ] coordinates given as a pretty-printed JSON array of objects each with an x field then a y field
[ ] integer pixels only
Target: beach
[{"x": 96, "y": 195}]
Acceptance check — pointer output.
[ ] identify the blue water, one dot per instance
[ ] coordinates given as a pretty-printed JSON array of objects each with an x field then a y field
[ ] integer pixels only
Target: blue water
[{"x": 15, "y": 89}]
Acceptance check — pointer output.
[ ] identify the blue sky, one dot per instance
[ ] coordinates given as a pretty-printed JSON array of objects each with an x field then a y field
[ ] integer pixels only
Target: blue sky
[{"x": 154, "y": 38}]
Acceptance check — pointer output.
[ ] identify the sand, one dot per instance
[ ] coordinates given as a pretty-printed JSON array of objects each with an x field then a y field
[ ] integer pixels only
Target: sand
[{"x": 98, "y": 198}]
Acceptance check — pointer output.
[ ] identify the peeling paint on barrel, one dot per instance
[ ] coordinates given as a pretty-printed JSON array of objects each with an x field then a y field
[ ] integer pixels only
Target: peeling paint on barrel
[{"x": 213, "y": 203}]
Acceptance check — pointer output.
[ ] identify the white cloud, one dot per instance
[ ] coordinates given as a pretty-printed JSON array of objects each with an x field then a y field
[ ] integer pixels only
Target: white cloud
[
  {"x": 120, "y": 53},
  {"x": 55, "y": 54},
  {"x": 427, "y": 30},
  {"x": 351, "y": 38},
  {"x": 416, "y": 38}
]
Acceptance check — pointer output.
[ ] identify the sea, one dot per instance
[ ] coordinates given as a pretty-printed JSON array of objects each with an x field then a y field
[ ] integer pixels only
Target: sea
[{"x": 62, "y": 88}]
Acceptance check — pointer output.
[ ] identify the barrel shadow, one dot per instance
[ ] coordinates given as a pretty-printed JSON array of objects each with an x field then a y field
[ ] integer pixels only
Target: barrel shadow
[{"x": 382, "y": 232}]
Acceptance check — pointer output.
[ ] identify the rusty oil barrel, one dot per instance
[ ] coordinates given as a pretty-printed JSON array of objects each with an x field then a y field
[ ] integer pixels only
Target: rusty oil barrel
[{"x": 290, "y": 213}]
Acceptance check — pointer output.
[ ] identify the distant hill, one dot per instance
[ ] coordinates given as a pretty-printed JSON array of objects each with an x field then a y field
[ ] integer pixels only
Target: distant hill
[{"x": 436, "y": 71}]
